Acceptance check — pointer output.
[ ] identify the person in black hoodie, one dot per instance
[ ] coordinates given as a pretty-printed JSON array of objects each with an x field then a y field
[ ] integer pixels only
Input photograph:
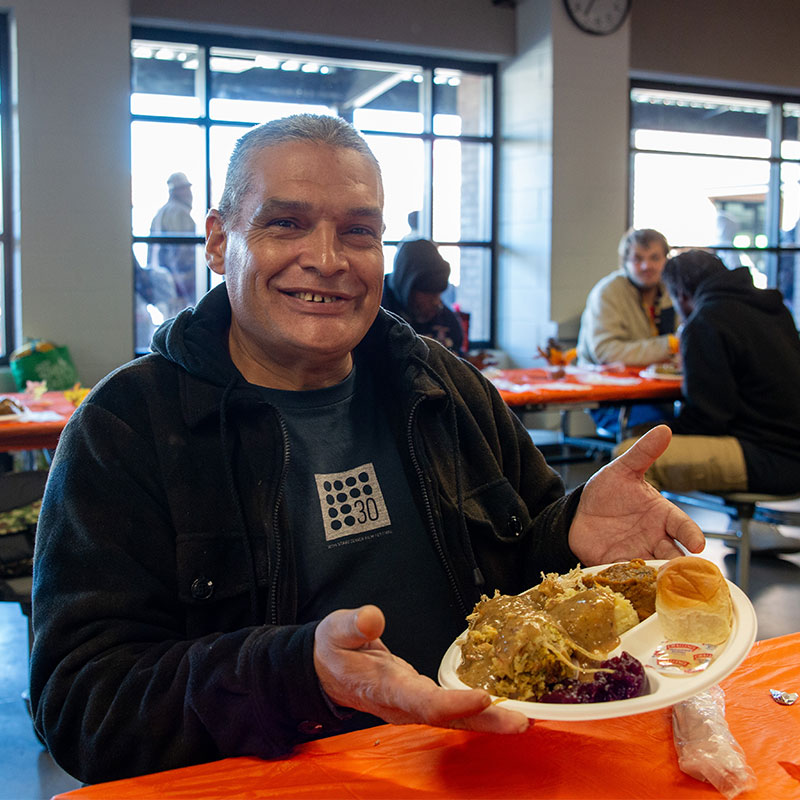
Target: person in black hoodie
[
  {"x": 739, "y": 425},
  {"x": 270, "y": 529},
  {"x": 413, "y": 290}
]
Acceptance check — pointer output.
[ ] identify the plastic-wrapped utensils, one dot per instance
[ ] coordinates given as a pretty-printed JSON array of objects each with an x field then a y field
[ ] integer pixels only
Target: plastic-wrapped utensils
[{"x": 705, "y": 747}]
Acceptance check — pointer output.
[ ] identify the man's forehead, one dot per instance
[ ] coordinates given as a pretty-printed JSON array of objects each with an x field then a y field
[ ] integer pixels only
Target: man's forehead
[
  {"x": 644, "y": 250},
  {"x": 282, "y": 170}
]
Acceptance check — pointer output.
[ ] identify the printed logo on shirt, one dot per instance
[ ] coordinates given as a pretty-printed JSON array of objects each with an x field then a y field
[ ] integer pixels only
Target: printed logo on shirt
[{"x": 351, "y": 502}]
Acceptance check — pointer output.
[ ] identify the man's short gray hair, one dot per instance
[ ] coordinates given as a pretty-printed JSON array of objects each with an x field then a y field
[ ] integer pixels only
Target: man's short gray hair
[{"x": 332, "y": 131}]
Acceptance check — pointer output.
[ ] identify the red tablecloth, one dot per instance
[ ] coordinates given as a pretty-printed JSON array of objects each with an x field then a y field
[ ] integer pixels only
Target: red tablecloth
[
  {"x": 632, "y": 757},
  {"x": 33, "y": 434},
  {"x": 538, "y": 387}
]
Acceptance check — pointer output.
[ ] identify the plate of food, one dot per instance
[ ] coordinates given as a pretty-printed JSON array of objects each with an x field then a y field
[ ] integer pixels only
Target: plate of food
[
  {"x": 10, "y": 409},
  {"x": 666, "y": 371},
  {"x": 605, "y": 641}
]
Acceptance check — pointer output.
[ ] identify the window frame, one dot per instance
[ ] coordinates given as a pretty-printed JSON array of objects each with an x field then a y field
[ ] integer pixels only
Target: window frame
[
  {"x": 427, "y": 137},
  {"x": 9, "y": 299},
  {"x": 775, "y": 160}
]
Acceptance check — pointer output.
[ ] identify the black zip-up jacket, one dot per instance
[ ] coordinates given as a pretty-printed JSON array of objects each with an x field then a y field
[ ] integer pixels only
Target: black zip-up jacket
[
  {"x": 741, "y": 367},
  {"x": 164, "y": 580}
]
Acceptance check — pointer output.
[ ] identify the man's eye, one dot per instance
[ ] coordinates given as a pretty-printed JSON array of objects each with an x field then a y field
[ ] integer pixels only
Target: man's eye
[
  {"x": 360, "y": 230},
  {"x": 281, "y": 223}
]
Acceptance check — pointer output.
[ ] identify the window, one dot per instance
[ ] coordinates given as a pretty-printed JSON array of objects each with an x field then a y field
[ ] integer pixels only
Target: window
[
  {"x": 721, "y": 171},
  {"x": 429, "y": 123},
  {"x": 7, "y": 336}
]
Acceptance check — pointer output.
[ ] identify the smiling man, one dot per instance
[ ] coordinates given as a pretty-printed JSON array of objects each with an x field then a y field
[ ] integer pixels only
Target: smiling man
[{"x": 271, "y": 528}]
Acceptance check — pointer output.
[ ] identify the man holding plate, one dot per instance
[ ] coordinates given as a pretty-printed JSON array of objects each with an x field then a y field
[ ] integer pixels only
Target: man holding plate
[{"x": 271, "y": 528}]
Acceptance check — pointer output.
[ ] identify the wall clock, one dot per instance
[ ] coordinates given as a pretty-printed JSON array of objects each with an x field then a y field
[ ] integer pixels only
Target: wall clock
[{"x": 599, "y": 17}]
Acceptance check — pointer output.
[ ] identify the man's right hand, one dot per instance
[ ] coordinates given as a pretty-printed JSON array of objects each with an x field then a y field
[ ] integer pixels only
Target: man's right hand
[{"x": 356, "y": 670}]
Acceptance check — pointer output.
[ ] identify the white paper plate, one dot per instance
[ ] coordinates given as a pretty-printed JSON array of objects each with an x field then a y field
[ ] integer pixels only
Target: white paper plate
[
  {"x": 652, "y": 375},
  {"x": 640, "y": 642}
]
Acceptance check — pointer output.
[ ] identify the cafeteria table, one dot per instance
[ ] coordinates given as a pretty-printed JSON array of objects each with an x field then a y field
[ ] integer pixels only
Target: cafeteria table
[
  {"x": 627, "y": 757},
  {"x": 572, "y": 389},
  {"x": 538, "y": 389},
  {"x": 40, "y": 427}
]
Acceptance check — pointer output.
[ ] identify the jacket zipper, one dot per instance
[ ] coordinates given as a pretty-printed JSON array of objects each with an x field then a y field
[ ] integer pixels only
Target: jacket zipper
[
  {"x": 429, "y": 510},
  {"x": 273, "y": 600}
]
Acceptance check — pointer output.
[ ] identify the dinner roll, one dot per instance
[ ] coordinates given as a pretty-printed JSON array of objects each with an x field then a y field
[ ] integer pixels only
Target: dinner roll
[{"x": 693, "y": 601}]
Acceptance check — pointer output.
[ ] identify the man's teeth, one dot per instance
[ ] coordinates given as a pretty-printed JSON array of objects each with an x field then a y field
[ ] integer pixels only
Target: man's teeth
[{"x": 314, "y": 298}]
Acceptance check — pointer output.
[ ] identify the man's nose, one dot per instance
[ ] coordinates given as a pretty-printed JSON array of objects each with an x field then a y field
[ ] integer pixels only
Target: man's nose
[{"x": 323, "y": 251}]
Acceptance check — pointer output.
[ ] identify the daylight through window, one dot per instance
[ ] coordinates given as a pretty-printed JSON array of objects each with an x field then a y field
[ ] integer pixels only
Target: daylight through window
[{"x": 430, "y": 124}]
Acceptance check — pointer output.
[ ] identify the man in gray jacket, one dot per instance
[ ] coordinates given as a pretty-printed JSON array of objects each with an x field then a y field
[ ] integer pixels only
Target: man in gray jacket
[
  {"x": 629, "y": 316},
  {"x": 629, "y": 319},
  {"x": 271, "y": 528}
]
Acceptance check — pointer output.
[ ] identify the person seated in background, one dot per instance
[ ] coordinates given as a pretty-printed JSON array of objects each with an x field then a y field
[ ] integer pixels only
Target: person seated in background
[
  {"x": 271, "y": 528},
  {"x": 413, "y": 291},
  {"x": 739, "y": 425},
  {"x": 629, "y": 319}
]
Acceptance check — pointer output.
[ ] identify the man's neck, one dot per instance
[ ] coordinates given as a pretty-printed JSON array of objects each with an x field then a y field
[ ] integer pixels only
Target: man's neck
[
  {"x": 649, "y": 295},
  {"x": 300, "y": 375}
]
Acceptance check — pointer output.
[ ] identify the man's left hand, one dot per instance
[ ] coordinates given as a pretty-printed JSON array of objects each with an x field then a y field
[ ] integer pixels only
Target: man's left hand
[{"x": 620, "y": 516}]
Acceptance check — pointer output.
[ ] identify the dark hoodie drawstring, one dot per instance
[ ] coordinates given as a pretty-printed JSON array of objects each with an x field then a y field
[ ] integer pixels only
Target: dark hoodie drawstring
[{"x": 231, "y": 484}]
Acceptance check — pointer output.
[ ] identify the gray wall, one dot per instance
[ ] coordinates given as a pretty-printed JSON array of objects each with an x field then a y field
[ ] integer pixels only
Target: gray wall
[
  {"x": 73, "y": 217},
  {"x": 718, "y": 41},
  {"x": 472, "y": 28},
  {"x": 563, "y": 196}
]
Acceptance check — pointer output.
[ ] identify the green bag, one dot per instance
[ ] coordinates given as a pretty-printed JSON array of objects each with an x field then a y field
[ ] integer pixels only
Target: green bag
[{"x": 54, "y": 366}]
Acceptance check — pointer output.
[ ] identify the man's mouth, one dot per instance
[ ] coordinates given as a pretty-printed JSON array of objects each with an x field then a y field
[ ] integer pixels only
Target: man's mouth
[{"x": 311, "y": 297}]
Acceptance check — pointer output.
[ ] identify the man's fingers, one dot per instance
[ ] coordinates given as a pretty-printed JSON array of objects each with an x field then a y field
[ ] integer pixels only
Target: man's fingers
[
  {"x": 467, "y": 709},
  {"x": 647, "y": 449},
  {"x": 495, "y": 719},
  {"x": 684, "y": 529},
  {"x": 472, "y": 710}
]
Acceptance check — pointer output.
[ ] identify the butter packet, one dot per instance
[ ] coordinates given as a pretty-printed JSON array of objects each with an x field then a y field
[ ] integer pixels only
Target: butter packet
[{"x": 681, "y": 658}]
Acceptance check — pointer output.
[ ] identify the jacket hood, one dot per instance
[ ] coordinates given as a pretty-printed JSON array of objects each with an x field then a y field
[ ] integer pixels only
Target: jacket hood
[
  {"x": 418, "y": 266},
  {"x": 737, "y": 284},
  {"x": 197, "y": 339}
]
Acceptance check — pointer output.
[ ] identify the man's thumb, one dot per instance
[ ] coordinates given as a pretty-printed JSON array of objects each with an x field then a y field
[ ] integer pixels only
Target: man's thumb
[
  {"x": 353, "y": 628},
  {"x": 646, "y": 450}
]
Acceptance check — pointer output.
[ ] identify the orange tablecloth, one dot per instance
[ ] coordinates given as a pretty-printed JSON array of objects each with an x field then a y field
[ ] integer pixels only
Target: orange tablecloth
[
  {"x": 32, "y": 434},
  {"x": 537, "y": 387},
  {"x": 631, "y": 757}
]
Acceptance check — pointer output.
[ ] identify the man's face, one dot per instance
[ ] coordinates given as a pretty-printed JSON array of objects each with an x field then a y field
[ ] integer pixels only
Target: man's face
[
  {"x": 645, "y": 264},
  {"x": 424, "y": 306},
  {"x": 303, "y": 261}
]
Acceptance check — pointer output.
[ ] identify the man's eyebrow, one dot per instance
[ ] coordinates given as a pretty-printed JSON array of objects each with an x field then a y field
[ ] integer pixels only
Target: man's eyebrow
[
  {"x": 278, "y": 205},
  {"x": 366, "y": 211}
]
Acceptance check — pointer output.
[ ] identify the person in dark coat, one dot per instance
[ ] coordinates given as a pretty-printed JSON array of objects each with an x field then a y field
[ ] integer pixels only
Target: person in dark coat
[
  {"x": 271, "y": 528},
  {"x": 413, "y": 290},
  {"x": 739, "y": 425}
]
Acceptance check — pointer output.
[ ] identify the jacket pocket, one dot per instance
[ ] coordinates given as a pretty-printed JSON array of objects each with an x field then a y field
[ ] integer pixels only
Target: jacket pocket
[
  {"x": 496, "y": 511},
  {"x": 214, "y": 582}
]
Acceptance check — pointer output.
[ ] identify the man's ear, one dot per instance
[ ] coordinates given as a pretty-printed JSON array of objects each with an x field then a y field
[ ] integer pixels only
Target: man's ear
[{"x": 216, "y": 242}]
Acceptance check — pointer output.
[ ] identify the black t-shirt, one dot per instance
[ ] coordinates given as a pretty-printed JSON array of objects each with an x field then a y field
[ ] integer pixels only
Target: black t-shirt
[{"x": 357, "y": 534}]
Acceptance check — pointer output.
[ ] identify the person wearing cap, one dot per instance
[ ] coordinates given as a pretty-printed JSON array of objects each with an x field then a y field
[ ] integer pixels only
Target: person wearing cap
[
  {"x": 413, "y": 291},
  {"x": 175, "y": 217}
]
